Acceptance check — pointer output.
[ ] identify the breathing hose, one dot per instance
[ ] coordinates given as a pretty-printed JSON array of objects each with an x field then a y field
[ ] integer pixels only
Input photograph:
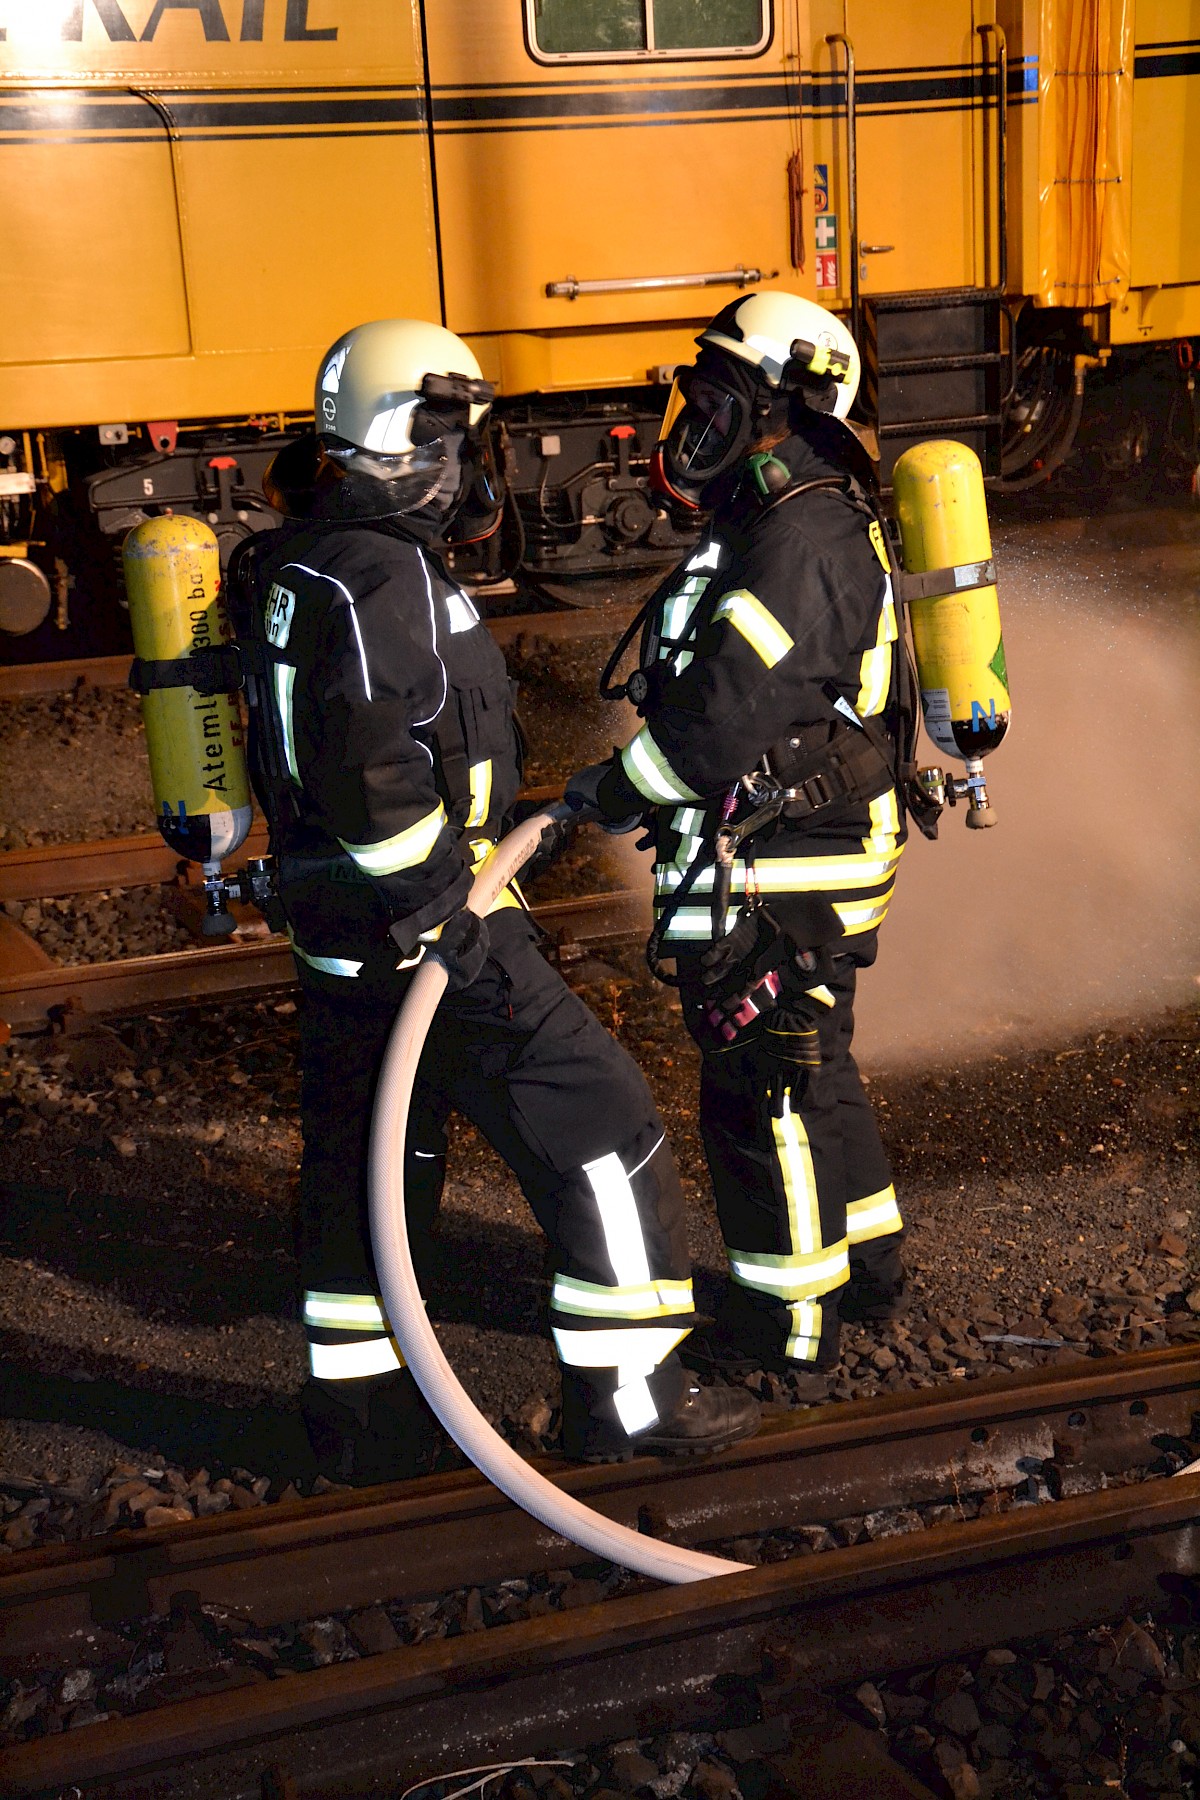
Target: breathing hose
[{"x": 402, "y": 1299}]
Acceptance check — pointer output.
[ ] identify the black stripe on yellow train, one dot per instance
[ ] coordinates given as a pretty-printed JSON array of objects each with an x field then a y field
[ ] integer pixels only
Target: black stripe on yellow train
[{"x": 200, "y": 197}]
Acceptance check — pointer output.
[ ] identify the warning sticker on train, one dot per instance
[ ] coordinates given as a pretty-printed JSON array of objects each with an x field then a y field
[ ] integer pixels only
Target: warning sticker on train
[
  {"x": 827, "y": 269},
  {"x": 820, "y": 187}
]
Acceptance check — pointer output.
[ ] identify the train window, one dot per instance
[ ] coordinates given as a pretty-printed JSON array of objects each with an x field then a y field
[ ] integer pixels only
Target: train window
[
  {"x": 589, "y": 27},
  {"x": 708, "y": 24},
  {"x": 639, "y": 28}
]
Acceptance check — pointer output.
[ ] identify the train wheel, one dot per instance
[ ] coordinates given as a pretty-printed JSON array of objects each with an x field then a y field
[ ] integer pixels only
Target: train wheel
[{"x": 1041, "y": 417}]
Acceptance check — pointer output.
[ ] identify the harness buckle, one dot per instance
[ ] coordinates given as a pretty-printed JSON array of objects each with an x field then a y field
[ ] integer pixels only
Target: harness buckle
[{"x": 819, "y": 790}]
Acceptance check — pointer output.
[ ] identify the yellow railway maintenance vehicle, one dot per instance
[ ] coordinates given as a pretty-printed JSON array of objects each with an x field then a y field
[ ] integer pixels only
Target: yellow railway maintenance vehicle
[{"x": 201, "y": 195}]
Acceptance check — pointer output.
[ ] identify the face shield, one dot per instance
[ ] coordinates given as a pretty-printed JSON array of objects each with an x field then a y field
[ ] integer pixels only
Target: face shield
[
  {"x": 368, "y": 484},
  {"x": 427, "y": 462},
  {"x": 705, "y": 431}
]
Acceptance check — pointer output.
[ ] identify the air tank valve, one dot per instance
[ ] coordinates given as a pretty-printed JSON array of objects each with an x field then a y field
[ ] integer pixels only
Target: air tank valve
[{"x": 942, "y": 790}]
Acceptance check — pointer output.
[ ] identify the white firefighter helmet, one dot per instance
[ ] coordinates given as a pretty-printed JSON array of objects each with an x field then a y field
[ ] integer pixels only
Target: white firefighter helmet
[
  {"x": 761, "y": 353},
  {"x": 375, "y": 382},
  {"x": 399, "y": 404},
  {"x": 775, "y": 333}
]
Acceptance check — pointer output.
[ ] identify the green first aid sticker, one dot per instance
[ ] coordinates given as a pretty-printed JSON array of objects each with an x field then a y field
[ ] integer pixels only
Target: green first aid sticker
[{"x": 825, "y": 232}]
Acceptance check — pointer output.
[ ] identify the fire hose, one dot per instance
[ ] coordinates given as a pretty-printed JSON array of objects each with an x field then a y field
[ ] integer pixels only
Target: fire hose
[{"x": 402, "y": 1298}]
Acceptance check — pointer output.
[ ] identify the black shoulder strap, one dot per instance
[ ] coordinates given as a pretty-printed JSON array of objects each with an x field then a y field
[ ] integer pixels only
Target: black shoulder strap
[
  {"x": 898, "y": 747},
  {"x": 453, "y": 762}
]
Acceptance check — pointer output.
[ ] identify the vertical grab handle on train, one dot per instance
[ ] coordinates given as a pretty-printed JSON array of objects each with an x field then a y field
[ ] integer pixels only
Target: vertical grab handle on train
[
  {"x": 992, "y": 30},
  {"x": 839, "y": 37}
]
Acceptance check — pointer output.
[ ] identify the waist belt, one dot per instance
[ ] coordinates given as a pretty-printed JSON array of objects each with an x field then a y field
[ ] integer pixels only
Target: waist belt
[{"x": 830, "y": 768}]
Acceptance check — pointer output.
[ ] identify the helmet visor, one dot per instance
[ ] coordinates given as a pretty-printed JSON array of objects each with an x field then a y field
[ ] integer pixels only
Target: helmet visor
[
  {"x": 369, "y": 484},
  {"x": 705, "y": 430}
]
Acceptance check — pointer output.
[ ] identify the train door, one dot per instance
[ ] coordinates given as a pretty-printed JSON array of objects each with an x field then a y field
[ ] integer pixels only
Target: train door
[
  {"x": 609, "y": 173},
  {"x": 914, "y": 138},
  {"x": 1166, "y": 145},
  {"x": 908, "y": 114},
  {"x": 191, "y": 216},
  {"x": 606, "y": 168}
]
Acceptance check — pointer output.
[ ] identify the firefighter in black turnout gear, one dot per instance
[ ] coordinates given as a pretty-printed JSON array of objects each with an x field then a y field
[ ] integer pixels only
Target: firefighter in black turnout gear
[
  {"x": 772, "y": 689},
  {"x": 386, "y": 758}
]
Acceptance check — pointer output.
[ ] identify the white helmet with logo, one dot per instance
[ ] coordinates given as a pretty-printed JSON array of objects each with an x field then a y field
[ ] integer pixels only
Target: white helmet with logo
[
  {"x": 374, "y": 382},
  {"x": 761, "y": 353},
  {"x": 792, "y": 341},
  {"x": 398, "y": 404}
]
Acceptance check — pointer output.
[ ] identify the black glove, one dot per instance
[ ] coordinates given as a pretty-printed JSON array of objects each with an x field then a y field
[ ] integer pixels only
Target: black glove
[
  {"x": 462, "y": 945},
  {"x": 583, "y": 792},
  {"x": 792, "y": 1042},
  {"x": 556, "y": 839}
]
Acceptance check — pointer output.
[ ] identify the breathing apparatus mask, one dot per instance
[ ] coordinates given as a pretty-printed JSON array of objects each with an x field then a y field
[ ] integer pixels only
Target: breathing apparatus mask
[{"x": 714, "y": 412}]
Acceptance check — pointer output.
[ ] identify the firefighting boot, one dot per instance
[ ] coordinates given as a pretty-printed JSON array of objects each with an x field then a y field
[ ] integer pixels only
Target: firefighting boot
[
  {"x": 711, "y": 1354},
  {"x": 747, "y": 1339},
  {"x": 599, "y": 1426},
  {"x": 377, "y": 1428},
  {"x": 878, "y": 1287}
]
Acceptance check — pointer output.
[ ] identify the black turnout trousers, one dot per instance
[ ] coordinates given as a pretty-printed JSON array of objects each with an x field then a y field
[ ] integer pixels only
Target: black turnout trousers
[
  {"x": 522, "y": 1057},
  {"x": 795, "y": 1193}
]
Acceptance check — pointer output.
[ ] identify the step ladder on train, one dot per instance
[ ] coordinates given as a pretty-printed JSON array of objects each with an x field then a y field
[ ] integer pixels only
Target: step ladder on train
[{"x": 935, "y": 365}]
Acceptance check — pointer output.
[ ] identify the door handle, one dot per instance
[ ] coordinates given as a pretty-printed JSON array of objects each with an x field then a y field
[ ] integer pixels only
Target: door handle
[
  {"x": 876, "y": 249},
  {"x": 994, "y": 34}
]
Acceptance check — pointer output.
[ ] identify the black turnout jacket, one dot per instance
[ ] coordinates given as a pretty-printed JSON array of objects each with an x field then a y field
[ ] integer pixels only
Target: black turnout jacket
[
  {"x": 784, "y": 609},
  {"x": 383, "y": 745}
]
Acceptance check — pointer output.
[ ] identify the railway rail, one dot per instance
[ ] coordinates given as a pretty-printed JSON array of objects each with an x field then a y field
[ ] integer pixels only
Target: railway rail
[
  {"x": 25, "y": 681},
  {"x": 703, "y": 1656},
  {"x": 32, "y": 988},
  {"x": 32, "y": 993}
]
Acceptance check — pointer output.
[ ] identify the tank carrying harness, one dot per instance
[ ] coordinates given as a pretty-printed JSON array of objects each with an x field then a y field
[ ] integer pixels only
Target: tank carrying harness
[
  {"x": 216, "y": 669},
  {"x": 934, "y": 584}
]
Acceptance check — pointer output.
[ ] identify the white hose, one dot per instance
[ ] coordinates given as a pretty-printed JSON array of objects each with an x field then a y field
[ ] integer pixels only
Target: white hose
[{"x": 402, "y": 1296}]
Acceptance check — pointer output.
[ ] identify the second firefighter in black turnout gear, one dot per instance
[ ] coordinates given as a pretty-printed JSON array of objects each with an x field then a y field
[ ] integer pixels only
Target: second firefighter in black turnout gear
[
  {"x": 768, "y": 765},
  {"x": 386, "y": 758}
]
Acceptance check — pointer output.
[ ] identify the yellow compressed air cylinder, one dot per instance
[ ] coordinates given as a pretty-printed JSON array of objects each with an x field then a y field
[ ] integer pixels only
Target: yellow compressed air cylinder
[
  {"x": 957, "y": 638},
  {"x": 195, "y": 742}
]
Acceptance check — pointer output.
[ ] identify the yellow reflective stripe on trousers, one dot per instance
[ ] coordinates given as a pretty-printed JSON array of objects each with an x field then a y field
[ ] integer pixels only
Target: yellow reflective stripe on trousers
[
  {"x": 647, "y": 1300},
  {"x": 403, "y": 851},
  {"x": 619, "y": 1220},
  {"x": 863, "y": 915},
  {"x": 351, "y": 1362},
  {"x": 808, "y": 1267},
  {"x": 799, "y": 1180},
  {"x": 634, "y": 1405},
  {"x": 805, "y": 1335},
  {"x": 874, "y": 1216},
  {"x": 800, "y": 1277},
  {"x": 343, "y": 1312},
  {"x": 650, "y": 772},
  {"x": 760, "y": 628},
  {"x": 285, "y": 682},
  {"x": 632, "y": 1350},
  {"x": 480, "y": 777}
]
